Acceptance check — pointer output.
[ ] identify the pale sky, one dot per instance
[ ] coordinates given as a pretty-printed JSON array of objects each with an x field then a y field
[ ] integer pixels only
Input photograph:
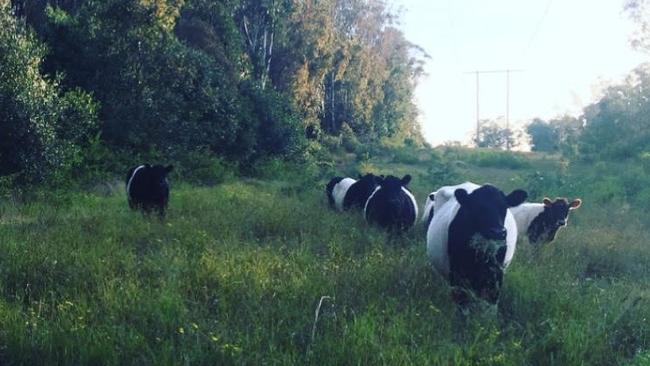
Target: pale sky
[{"x": 567, "y": 50}]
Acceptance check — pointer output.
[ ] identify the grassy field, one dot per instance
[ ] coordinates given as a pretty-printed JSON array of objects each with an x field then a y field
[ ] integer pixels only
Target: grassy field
[{"x": 260, "y": 271}]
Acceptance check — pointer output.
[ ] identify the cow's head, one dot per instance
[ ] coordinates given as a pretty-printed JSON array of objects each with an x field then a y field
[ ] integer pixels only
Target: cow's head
[
  {"x": 370, "y": 180},
  {"x": 158, "y": 175},
  {"x": 487, "y": 206},
  {"x": 558, "y": 210},
  {"x": 391, "y": 184},
  {"x": 555, "y": 216}
]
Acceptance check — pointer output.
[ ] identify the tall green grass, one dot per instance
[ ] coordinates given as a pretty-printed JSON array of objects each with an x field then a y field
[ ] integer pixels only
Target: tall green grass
[{"x": 263, "y": 272}]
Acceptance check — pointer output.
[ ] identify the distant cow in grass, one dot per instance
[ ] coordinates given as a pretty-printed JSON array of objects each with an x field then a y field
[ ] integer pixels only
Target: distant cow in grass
[
  {"x": 392, "y": 205},
  {"x": 540, "y": 222},
  {"x": 147, "y": 188},
  {"x": 345, "y": 193},
  {"x": 472, "y": 238}
]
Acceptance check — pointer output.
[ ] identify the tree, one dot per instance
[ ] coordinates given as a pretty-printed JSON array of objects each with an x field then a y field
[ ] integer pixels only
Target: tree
[
  {"x": 639, "y": 12},
  {"x": 157, "y": 93},
  {"x": 259, "y": 21},
  {"x": 42, "y": 129},
  {"x": 346, "y": 64},
  {"x": 236, "y": 78},
  {"x": 543, "y": 136},
  {"x": 493, "y": 136},
  {"x": 617, "y": 126},
  {"x": 559, "y": 134}
]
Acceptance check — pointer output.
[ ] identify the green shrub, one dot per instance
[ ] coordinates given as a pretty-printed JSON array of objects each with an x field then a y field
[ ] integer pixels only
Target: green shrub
[
  {"x": 203, "y": 168},
  {"x": 276, "y": 129},
  {"x": 42, "y": 130},
  {"x": 442, "y": 172},
  {"x": 348, "y": 139}
]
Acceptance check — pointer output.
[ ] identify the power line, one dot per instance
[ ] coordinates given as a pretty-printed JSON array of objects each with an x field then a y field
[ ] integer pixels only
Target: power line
[
  {"x": 478, "y": 115},
  {"x": 538, "y": 27}
]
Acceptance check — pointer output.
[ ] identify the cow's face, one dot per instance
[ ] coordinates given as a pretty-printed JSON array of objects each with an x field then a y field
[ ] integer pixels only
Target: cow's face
[
  {"x": 487, "y": 206},
  {"x": 557, "y": 212}
]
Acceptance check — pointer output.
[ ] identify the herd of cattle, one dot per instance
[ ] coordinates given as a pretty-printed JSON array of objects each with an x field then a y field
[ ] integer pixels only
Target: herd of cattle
[{"x": 471, "y": 230}]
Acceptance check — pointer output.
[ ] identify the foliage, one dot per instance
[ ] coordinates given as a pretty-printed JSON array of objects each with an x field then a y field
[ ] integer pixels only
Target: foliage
[
  {"x": 557, "y": 135},
  {"x": 243, "y": 80},
  {"x": 345, "y": 63},
  {"x": 42, "y": 129},
  {"x": 202, "y": 168},
  {"x": 616, "y": 127},
  {"x": 155, "y": 92},
  {"x": 487, "y": 157},
  {"x": 543, "y": 136},
  {"x": 278, "y": 132},
  {"x": 492, "y": 135},
  {"x": 639, "y": 12}
]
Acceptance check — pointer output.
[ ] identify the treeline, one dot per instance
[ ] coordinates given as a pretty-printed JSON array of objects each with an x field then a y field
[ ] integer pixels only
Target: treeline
[
  {"x": 616, "y": 127},
  {"x": 90, "y": 82}
]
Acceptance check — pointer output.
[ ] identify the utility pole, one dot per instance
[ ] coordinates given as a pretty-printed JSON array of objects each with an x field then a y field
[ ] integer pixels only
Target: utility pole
[{"x": 478, "y": 117}]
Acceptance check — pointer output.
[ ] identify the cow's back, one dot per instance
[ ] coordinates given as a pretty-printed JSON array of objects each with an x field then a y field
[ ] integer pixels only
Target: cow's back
[{"x": 399, "y": 212}]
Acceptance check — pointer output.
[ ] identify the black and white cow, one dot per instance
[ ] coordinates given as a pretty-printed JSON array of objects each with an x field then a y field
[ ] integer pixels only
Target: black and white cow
[
  {"x": 392, "y": 205},
  {"x": 472, "y": 238},
  {"x": 147, "y": 188},
  {"x": 345, "y": 193},
  {"x": 540, "y": 222}
]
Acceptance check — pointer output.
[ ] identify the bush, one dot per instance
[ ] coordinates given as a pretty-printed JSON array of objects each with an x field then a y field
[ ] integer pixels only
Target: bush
[
  {"x": 348, "y": 139},
  {"x": 441, "y": 172},
  {"x": 276, "y": 128},
  {"x": 203, "y": 168},
  {"x": 42, "y": 130}
]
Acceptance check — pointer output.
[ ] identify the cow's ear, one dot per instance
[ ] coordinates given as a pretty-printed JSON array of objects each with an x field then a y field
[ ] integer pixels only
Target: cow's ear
[
  {"x": 147, "y": 165},
  {"x": 360, "y": 176},
  {"x": 516, "y": 197},
  {"x": 547, "y": 201},
  {"x": 169, "y": 168},
  {"x": 432, "y": 196},
  {"x": 461, "y": 196},
  {"x": 576, "y": 203},
  {"x": 379, "y": 179},
  {"x": 406, "y": 179}
]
